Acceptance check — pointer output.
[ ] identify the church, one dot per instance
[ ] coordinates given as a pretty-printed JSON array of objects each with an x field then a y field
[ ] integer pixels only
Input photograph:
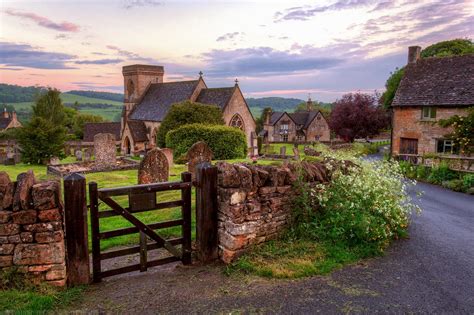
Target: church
[{"x": 147, "y": 100}]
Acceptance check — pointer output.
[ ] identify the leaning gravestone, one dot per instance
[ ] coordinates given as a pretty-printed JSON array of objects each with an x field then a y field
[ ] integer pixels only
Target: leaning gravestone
[
  {"x": 104, "y": 149},
  {"x": 198, "y": 153},
  {"x": 78, "y": 155},
  {"x": 154, "y": 168},
  {"x": 283, "y": 150}
]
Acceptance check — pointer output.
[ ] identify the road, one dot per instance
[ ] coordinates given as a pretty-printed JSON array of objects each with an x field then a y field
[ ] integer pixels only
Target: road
[{"x": 431, "y": 272}]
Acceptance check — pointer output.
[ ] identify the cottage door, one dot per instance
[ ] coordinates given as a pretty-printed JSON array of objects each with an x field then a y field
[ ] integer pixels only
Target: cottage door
[{"x": 408, "y": 146}]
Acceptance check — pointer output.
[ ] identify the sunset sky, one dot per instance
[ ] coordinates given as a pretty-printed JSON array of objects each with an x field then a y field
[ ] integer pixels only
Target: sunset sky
[{"x": 284, "y": 48}]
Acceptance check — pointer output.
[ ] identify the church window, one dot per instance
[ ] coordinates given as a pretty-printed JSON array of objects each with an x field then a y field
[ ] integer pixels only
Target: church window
[{"x": 237, "y": 122}]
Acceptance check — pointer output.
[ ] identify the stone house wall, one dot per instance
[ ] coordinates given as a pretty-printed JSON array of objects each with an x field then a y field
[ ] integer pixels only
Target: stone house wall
[
  {"x": 32, "y": 229},
  {"x": 285, "y": 119},
  {"x": 407, "y": 123},
  {"x": 319, "y": 127}
]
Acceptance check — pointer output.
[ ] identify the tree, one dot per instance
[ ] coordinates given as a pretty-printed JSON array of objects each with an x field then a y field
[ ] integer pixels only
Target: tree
[
  {"x": 80, "y": 120},
  {"x": 260, "y": 121},
  {"x": 463, "y": 130},
  {"x": 357, "y": 115},
  {"x": 442, "y": 49},
  {"x": 186, "y": 113},
  {"x": 43, "y": 137},
  {"x": 324, "y": 108}
]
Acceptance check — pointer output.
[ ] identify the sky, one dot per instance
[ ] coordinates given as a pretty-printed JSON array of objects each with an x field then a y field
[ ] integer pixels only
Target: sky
[{"x": 274, "y": 48}]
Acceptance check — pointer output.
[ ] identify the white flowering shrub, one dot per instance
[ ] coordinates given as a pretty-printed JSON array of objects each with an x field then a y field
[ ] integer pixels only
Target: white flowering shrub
[{"x": 368, "y": 205}]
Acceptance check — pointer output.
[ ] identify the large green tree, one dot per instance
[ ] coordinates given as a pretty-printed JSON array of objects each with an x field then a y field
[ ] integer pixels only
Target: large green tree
[
  {"x": 43, "y": 137},
  {"x": 186, "y": 113},
  {"x": 442, "y": 49}
]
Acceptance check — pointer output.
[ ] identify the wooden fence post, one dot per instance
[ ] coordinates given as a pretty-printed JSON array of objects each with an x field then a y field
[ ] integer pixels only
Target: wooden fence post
[
  {"x": 187, "y": 218},
  {"x": 206, "y": 211},
  {"x": 75, "y": 213}
]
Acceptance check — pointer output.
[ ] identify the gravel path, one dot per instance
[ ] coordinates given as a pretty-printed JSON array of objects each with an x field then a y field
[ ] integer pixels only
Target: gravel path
[{"x": 432, "y": 272}]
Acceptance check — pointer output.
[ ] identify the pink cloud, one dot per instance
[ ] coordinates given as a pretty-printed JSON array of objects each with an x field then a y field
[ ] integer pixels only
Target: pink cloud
[{"x": 45, "y": 22}]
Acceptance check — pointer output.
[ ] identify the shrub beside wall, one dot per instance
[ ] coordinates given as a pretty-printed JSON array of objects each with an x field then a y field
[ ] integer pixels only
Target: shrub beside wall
[{"x": 225, "y": 142}]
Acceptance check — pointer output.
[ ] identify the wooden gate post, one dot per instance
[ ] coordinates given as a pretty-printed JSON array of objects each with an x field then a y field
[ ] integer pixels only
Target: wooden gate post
[
  {"x": 206, "y": 211},
  {"x": 75, "y": 213}
]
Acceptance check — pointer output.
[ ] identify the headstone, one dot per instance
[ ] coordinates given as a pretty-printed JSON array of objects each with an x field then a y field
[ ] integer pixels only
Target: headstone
[
  {"x": 87, "y": 155},
  {"x": 154, "y": 168},
  {"x": 283, "y": 150},
  {"x": 104, "y": 149},
  {"x": 78, "y": 155},
  {"x": 169, "y": 156},
  {"x": 296, "y": 152},
  {"x": 54, "y": 161},
  {"x": 254, "y": 143},
  {"x": 198, "y": 153}
]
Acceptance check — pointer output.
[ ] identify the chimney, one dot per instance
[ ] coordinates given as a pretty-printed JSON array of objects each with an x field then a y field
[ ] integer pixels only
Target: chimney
[
  {"x": 309, "y": 104},
  {"x": 5, "y": 113},
  {"x": 14, "y": 118},
  {"x": 413, "y": 54},
  {"x": 267, "y": 117}
]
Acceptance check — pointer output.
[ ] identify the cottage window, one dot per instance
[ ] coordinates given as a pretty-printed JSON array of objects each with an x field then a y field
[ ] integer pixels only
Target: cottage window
[
  {"x": 237, "y": 122},
  {"x": 428, "y": 113},
  {"x": 284, "y": 138},
  {"x": 446, "y": 146},
  {"x": 284, "y": 127}
]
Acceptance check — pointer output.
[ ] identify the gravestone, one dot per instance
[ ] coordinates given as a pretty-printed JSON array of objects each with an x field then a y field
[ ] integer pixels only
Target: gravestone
[
  {"x": 154, "y": 168},
  {"x": 169, "y": 155},
  {"x": 296, "y": 152},
  {"x": 283, "y": 150},
  {"x": 87, "y": 155},
  {"x": 104, "y": 149},
  {"x": 198, "y": 153},
  {"x": 78, "y": 155}
]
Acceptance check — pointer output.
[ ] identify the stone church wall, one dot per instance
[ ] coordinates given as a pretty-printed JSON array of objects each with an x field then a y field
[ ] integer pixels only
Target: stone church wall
[{"x": 237, "y": 105}]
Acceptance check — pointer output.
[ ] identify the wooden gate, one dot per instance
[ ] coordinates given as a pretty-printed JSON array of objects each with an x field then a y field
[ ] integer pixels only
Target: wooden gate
[{"x": 141, "y": 198}]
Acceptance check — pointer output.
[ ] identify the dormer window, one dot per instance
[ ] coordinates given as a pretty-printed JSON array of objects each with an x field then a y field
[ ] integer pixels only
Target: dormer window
[{"x": 428, "y": 113}]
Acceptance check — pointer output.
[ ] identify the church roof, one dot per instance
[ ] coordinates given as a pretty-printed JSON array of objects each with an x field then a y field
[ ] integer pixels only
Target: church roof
[
  {"x": 444, "y": 81},
  {"x": 216, "y": 96},
  {"x": 91, "y": 129},
  {"x": 159, "y": 97},
  {"x": 138, "y": 130}
]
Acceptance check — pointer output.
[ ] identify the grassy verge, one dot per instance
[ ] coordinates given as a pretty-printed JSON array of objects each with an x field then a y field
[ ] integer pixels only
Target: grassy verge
[{"x": 286, "y": 258}]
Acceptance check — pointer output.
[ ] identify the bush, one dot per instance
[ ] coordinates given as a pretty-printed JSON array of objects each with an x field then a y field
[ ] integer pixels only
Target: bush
[
  {"x": 468, "y": 181},
  {"x": 454, "y": 184},
  {"x": 225, "y": 142},
  {"x": 186, "y": 113},
  {"x": 366, "y": 207},
  {"x": 441, "y": 173},
  {"x": 422, "y": 172}
]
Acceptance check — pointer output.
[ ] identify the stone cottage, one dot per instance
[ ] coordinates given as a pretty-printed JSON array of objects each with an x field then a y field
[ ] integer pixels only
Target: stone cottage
[
  {"x": 431, "y": 89},
  {"x": 148, "y": 99},
  {"x": 9, "y": 120},
  {"x": 302, "y": 126}
]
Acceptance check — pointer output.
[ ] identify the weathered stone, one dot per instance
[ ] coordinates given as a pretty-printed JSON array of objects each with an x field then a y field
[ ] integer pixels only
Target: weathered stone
[
  {"x": 237, "y": 197},
  {"x": 49, "y": 237},
  {"x": 7, "y": 249},
  {"x": 39, "y": 254},
  {"x": 267, "y": 190},
  {"x": 283, "y": 189},
  {"x": 43, "y": 227},
  {"x": 9, "y": 229},
  {"x": 78, "y": 155},
  {"x": 232, "y": 242},
  {"x": 57, "y": 272},
  {"x": 4, "y": 240},
  {"x": 228, "y": 256},
  {"x": 228, "y": 175},
  {"x": 283, "y": 150},
  {"x": 46, "y": 195},
  {"x": 6, "y": 261},
  {"x": 169, "y": 156},
  {"x": 54, "y": 161},
  {"x": 241, "y": 229},
  {"x": 57, "y": 283},
  {"x": 6, "y": 191},
  {"x": 5, "y": 216},
  {"x": 87, "y": 155},
  {"x": 14, "y": 239},
  {"x": 26, "y": 237},
  {"x": 198, "y": 153},
  {"x": 311, "y": 152},
  {"x": 296, "y": 152},
  {"x": 154, "y": 168},
  {"x": 24, "y": 217},
  {"x": 49, "y": 215},
  {"x": 245, "y": 176},
  {"x": 22, "y": 197},
  {"x": 39, "y": 268},
  {"x": 104, "y": 149}
]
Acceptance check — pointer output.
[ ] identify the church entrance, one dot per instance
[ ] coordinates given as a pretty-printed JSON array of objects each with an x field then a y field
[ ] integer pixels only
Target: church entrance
[{"x": 127, "y": 146}]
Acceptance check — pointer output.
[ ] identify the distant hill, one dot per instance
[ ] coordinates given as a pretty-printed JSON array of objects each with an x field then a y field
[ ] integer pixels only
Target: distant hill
[
  {"x": 17, "y": 94},
  {"x": 276, "y": 103},
  {"x": 118, "y": 97}
]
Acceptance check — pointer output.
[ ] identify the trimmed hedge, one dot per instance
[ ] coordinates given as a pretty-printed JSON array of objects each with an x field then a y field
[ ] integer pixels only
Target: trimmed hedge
[{"x": 226, "y": 142}]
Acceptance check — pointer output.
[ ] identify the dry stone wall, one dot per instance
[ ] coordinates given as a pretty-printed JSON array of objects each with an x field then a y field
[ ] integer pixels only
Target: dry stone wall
[
  {"x": 31, "y": 228},
  {"x": 254, "y": 202}
]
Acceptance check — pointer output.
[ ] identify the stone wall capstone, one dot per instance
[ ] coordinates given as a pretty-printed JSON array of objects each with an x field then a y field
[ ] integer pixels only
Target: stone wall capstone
[{"x": 31, "y": 228}]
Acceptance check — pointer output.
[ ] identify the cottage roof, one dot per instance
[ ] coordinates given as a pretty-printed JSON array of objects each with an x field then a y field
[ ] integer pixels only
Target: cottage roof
[
  {"x": 91, "y": 129},
  {"x": 159, "y": 97},
  {"x": 138, "y": 130},
  {"x": 4, "y": 122},
  {"x": 301, "y": 119},
  {"x": 447, "y": 81},
  {"x": 216, "y": 96}
]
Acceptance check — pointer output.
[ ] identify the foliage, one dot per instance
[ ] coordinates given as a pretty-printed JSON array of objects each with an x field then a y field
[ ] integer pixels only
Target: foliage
[
  {"x": 188, "y": 113},
  {"x": 357, "y": 115},
  {"x": 324, "y": 108},
  {"x": 463, "y": 130},
  {"x": 118, "y": 97},
  {"x": 16, "y": 94},
  {"x": 449, "y": 48},
  {"x": 43, "y": 137},
  {"x": 260, "y": 121},
  {"x": 391, "y": 86},
  {"x": 453, "y": 184},
  {"x": 8, "y": 134},
  {"x": 468, "y": 181},
  {"x": 441, "y": 173},
  {"x": 76, "y": 121},
  {"x": 441, "y": 49},
  {"x": 260, "y": 144},
  {"x": 225, "y": 142}
]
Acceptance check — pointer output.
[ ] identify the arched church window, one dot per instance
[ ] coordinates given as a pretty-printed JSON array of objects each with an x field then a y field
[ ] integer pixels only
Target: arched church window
[
  {"x": 237, "y": 122},
  {"x": 130, "y": 89}
]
